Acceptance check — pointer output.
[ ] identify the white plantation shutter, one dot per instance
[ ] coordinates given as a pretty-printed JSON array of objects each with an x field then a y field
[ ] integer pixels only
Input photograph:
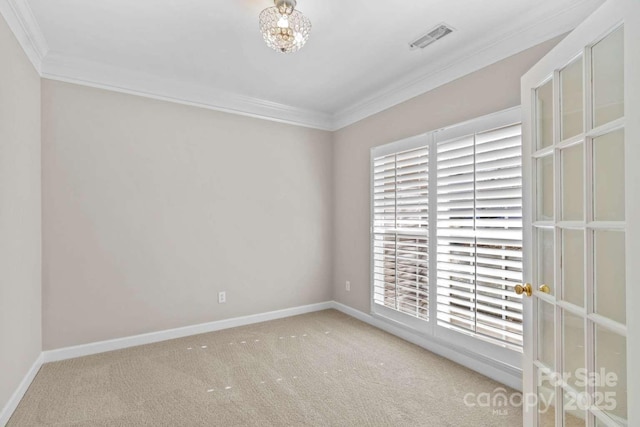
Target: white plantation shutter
[
  {"x": 479, "y": 204},
  {"x": 447, "y": 234},
  {"x": 400, "y": 231}
]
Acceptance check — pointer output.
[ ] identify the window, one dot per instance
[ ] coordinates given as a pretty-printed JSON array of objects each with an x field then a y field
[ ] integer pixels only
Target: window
[{"x": 447, "y": 231}]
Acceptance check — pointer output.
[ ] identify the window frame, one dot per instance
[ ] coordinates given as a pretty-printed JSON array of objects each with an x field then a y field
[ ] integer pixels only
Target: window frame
[{"x": 457, "y": 340}]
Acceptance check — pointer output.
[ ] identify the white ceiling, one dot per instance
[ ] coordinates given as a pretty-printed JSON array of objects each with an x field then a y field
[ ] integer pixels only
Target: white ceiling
[{"x": 357, "y": 60}]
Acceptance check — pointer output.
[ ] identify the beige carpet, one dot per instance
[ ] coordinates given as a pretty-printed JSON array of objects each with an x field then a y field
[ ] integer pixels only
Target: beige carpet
[{"x": 319, "y": 369}]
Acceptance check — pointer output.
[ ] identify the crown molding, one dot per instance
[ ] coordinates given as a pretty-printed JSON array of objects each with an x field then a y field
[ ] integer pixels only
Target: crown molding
[
  {"x": 518, "y": 37},
  {"x": 21, "y": 21},
  {"x": 98, "y": 75}
]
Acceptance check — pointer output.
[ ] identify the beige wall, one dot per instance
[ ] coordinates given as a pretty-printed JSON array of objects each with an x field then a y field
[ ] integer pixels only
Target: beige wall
[
  {"x": 20, "y": 243},
  {"x": 150, "y": 208},
  {"x": 491, "y": 89}
]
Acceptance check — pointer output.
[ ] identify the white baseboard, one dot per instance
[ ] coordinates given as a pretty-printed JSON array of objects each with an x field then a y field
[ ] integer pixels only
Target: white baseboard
[
  {"x": 491, "y": 368},
  {"x": 504, "y": 374},
  {"x": 13, "y": 402},
  {"x": 169, "y": 334},
  {"x": 153, "y": 337}
]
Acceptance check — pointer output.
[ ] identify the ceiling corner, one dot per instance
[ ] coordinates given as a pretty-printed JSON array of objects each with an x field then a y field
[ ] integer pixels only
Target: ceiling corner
[{"x": 22, "y": 22}]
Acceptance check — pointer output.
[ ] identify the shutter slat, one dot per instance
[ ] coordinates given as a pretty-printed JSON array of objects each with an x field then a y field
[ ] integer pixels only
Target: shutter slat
[
  {"x": 500, "y": 173},
  {"x": 483, "y": 146}
]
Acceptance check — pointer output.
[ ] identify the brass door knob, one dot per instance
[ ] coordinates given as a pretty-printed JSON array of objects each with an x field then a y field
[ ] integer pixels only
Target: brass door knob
[
  {"x": 524, "y": 289},
  {"x": 544, "y": 289}
]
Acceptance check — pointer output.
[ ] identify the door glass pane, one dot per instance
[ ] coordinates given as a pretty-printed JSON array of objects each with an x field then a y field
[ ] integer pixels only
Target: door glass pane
[
  {"x": 574, "y": 351},
  {"x": 546, "y": 342},
  {"x": 608, "y": 78},
  {"x": 611, "y": 358},
  {"x": 574, "y": 405},
  {"x": 545, "y": 188},
  {"x": 608, "y": 179},
  {"x": 544, "y": 106},
  {"x": 546, "y": 400},
  {"x": 610, "y": 275},
  {"x": 571, "y": 99},
  {"x": 573, "y": 266},
  {"x": 545, "y": 257},
  {"x": 572, "y": 183}
]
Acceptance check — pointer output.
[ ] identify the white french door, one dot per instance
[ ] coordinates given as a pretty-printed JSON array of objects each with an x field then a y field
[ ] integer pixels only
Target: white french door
[{"x": 581, "y": 144}]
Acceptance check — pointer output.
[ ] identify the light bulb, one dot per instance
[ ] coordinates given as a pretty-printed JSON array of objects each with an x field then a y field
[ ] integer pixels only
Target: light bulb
[{"x": 283, "y": 22}]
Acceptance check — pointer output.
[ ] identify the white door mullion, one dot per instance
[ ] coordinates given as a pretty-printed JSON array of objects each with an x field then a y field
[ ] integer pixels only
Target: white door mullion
[
  {"x": 529, "y": 206},
  {"x": 606, "y": 128},
  {"x": 557, "y": 254},
  {"x": 588, "y": 242}
]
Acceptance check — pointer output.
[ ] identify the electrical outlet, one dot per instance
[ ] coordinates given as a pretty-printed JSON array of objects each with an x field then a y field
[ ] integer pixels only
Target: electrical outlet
[
  {"x": 347, "y": 286},
  {"x": 222, "y": 297}
]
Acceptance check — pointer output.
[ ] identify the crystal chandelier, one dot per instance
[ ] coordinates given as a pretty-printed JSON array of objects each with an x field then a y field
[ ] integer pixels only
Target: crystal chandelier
[{"x": 283, "y": 28}]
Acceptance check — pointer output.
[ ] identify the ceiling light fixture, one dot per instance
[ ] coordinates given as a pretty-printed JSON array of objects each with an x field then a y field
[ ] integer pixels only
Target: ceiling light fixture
[{"x": 283, "y": 28}]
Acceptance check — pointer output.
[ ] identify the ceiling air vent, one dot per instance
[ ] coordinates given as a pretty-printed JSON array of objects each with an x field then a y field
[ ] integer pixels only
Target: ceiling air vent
[{"x": 433, "y": 35}]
